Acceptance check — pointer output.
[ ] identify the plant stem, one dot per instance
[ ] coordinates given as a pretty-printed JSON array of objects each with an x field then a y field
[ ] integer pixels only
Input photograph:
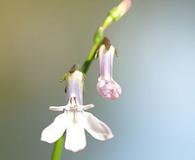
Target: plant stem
[
  {"x": 89, "y": 59},
  {"x": 57, "y": 149},
  {"x": 98, "y": 37}
]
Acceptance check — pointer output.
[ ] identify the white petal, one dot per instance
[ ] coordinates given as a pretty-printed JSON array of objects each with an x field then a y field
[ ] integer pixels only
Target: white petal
[
  {"x": 97, "y": 128},
  {"x": 85, "y": 107},
  {"x": 75, "y": 138},
  {"x": 56, "y": 129},
  {"x": 57, "y": 108}
]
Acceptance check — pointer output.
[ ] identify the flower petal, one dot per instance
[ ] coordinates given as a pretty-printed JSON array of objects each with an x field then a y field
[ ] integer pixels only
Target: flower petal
[
  {"x": 56, "y": 129},
  {"x": 57, "y": 108},
  {"x": 108, "y": 89},
  {"x": 85, "y": 107},
  {"x": 75, "y": 138},
  {"x": 97, "y": 128}
]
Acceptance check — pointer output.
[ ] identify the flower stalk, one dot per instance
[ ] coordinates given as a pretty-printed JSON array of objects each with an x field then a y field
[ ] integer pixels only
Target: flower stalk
[
  {"x": 57, "y": 149},
  {"x": 114, "y": 15}
]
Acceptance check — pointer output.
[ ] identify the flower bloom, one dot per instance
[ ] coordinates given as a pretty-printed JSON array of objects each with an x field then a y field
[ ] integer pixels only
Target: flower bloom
[
  {"x": 74, "y": 119},
  {"x": 106, "y": 86}
]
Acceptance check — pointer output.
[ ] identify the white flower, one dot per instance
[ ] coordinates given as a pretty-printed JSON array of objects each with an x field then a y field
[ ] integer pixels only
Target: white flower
[{"x": 74, "y": 119}]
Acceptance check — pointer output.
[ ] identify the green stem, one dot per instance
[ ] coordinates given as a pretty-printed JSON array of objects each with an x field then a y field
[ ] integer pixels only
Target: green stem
[
  {"x": 98, "y": 37},
  {"x": 89, "y": 59},
  {"x": 57, "y": 150}
]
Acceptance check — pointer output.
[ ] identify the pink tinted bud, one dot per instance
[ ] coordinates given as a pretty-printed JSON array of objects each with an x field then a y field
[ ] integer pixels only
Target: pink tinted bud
[
  {"x": 124, "y": 6},
  {"x": 106, "y": 86}
]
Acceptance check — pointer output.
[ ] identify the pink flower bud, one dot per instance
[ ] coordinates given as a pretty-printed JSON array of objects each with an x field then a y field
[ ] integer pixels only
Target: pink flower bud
[{"x": 124, "y": 6}]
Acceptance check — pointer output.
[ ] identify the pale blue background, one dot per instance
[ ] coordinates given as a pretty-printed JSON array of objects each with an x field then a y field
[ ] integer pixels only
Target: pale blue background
[{"x": 155, "y": 117}]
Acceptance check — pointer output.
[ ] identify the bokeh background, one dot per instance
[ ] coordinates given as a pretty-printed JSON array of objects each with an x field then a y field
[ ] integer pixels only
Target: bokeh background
[{"x": 155, "y": 117}]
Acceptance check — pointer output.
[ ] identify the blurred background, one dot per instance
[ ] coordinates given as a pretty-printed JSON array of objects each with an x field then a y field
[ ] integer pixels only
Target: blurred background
[{"x": 155, "y": 117}]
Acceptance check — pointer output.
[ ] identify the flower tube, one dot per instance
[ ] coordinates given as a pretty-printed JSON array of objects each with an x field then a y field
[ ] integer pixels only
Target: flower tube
[{"x": 106, "y": 86}]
